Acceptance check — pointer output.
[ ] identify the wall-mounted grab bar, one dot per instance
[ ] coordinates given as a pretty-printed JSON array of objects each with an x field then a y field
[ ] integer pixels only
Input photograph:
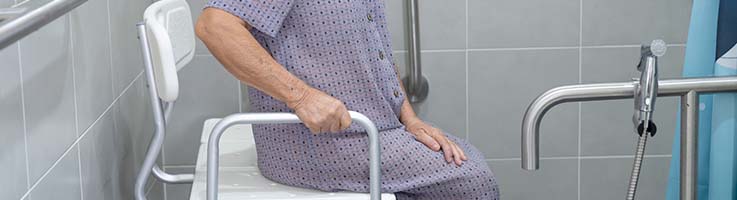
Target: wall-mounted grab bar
[
  {"x": 18, "y": 27},
  {"x": 416, "y": 83},
  {"x": 7, "y": 14},
  {"x": 687, "y": 88}
]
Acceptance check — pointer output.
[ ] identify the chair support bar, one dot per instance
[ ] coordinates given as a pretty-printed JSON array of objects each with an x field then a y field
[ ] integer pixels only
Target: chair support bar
[
  {"x": 161, "y": 112},
  {"x": 213, "y": 145}
]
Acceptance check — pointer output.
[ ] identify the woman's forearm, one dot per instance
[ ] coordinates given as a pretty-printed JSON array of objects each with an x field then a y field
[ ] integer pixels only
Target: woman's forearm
[
  {"x": 406, "y": 113},
  {"x": 229, "y": 40}
]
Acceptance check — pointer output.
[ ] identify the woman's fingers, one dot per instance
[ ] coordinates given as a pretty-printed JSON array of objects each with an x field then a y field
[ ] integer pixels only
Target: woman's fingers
[
  {"x": 463, "y": 154},
  {"x": 335, "y": 125},
  {"x": 426, "y": 139},
  {"x": 345, "y": 121},
  {"x": 321, "y": 113},
  {"x": 443, "y": 141},
  {"x": 457, "y": 154},
  {"x": 436, "y": 140}
]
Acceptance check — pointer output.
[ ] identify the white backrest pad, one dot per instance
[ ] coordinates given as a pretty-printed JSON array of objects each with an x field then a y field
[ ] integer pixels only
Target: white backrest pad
[{"x": 171, "y": 37}]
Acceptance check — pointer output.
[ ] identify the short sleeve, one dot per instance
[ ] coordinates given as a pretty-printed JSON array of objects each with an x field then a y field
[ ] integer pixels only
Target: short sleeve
[{"x": 265, "y": 15}]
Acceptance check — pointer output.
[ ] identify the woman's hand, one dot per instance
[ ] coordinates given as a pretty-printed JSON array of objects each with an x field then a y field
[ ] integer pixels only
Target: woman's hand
[
  {"x": 321, "y": 112},
  {"x": 436, "y": 140}
]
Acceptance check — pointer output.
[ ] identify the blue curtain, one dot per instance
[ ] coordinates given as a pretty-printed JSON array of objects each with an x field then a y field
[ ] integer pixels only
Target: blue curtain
[{"x": 711, "y": 51}]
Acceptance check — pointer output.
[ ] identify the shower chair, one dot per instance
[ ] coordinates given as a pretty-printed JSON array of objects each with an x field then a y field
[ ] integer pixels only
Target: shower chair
[{"x": 168, "y": 44}]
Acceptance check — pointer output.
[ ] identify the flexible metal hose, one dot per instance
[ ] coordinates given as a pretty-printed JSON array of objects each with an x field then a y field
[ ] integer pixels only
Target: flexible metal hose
[{"x": 637, "y": 166}]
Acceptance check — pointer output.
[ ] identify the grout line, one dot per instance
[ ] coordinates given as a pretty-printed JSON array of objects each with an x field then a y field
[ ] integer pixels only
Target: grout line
[
  {"x": 79, "y": 169},
  {"x": 468, "y": 96},
  {"x": 74, "y": 77},
  {"x": 627, "y": 46},
  {"x": 48, "y": 171},
  {"x": 23, "y": 112},
  {"x": 580, "y": 79},
  {"x": 151, "y": 187},
  {"x": 110, "y": 46},
  {"x": 18, "y": 3},
  {"x": 442, "y": 50},
  {"x": 582, "y": 157},
  {"x": 626, "y": 156},
  {"x": 76, "y": 107},
  {"x": 179, "y": 166},
  {"x": 43, "y": 176},
  {"x": 525, "y": 48}
]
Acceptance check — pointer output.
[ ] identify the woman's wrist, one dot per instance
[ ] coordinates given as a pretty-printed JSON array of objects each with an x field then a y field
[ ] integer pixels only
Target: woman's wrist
[
  {"x": 407, "y": 115},
  {"x": 298, "y": 92}
]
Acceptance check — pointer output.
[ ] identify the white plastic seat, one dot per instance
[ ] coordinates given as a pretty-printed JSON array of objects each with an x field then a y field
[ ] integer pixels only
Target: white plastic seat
[{"x": 240, "y": 177}]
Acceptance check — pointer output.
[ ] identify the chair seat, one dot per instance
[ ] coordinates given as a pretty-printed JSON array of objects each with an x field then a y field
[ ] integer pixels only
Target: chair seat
[{"x": 240, "y": 177}]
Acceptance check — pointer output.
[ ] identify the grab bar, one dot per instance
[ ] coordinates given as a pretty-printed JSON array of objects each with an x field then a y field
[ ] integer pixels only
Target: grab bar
[
  {"x": 17, "y": 28},
  {"x": 10, "y": 13},
  {"x": 687, "y": 88},
  {"x": 213, "y": 146},
  {"x": 416, "y": 83}
]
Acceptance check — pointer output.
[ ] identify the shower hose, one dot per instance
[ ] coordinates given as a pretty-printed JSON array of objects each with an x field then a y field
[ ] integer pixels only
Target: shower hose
[{"x": 639, "y": 154}]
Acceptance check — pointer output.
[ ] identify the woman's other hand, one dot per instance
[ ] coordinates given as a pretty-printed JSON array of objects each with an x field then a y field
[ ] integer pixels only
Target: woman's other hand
[
  {"x": 320, "y": 112},
  {"x": 436, "y": 140}
]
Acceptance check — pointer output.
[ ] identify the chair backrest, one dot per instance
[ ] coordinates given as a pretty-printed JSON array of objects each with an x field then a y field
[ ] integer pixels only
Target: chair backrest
[{"x": 171, "y": 39}]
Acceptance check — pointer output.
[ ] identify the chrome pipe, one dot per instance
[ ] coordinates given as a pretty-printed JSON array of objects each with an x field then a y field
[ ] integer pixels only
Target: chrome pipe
[
  {"x": 168, "y": 107},
  {"x": 162, "y": 176},
  {"x": 20, "y": 26},
  {"x": 413, "y": 49},
  {"x": 416, "y": 84},
  {"x": 689, "y": 145},
  {"x": 157, "y": 140},
  {"x": 213, "y": 145},
  {"x": 604, "y": 91},
  {"x": 161, "y": 112}
]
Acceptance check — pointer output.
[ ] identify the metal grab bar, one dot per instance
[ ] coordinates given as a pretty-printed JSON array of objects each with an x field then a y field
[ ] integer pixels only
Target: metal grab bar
[
  {"x": 19, "y": 27},
  {"x": 213, "y": 145},
  {"x": 687, "y": 88},
  {"x": 416, "y": 83}
]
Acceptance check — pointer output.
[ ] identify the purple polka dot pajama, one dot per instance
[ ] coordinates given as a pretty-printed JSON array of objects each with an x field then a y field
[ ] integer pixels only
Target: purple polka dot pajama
[{"x": 342, "y": 47}]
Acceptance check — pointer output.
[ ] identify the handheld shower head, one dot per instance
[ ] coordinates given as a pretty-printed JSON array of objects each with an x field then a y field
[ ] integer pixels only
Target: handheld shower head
[{"x": 647, "y": 89}]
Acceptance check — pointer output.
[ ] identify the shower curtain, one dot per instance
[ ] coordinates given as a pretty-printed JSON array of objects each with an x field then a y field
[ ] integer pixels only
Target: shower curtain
[{"x": 711, "y": 51}]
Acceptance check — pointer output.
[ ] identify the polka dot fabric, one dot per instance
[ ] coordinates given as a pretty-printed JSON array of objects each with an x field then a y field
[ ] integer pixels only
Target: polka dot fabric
[{"x": 342, "y": 47}]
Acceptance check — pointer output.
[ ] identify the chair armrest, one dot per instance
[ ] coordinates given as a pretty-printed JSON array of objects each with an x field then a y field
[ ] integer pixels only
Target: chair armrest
[{"x": 213, "y": 145}]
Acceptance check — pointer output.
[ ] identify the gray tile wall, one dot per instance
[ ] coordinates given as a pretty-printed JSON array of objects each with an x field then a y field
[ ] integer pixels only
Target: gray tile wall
[
  {"x": 486, "y": 60},
  {"x": 74, "y": 112}
]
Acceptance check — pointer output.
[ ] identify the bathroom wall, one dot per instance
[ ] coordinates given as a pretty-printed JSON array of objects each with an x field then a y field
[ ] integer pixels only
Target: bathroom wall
[
  {"x": 487, "y": 60},
  {"x": 74, "y": 110},
  {"x": 76, "y": 120}
]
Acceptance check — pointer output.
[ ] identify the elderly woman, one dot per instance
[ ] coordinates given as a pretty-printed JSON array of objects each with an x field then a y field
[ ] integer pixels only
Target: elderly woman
[{"x": 319, "y": 59}]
